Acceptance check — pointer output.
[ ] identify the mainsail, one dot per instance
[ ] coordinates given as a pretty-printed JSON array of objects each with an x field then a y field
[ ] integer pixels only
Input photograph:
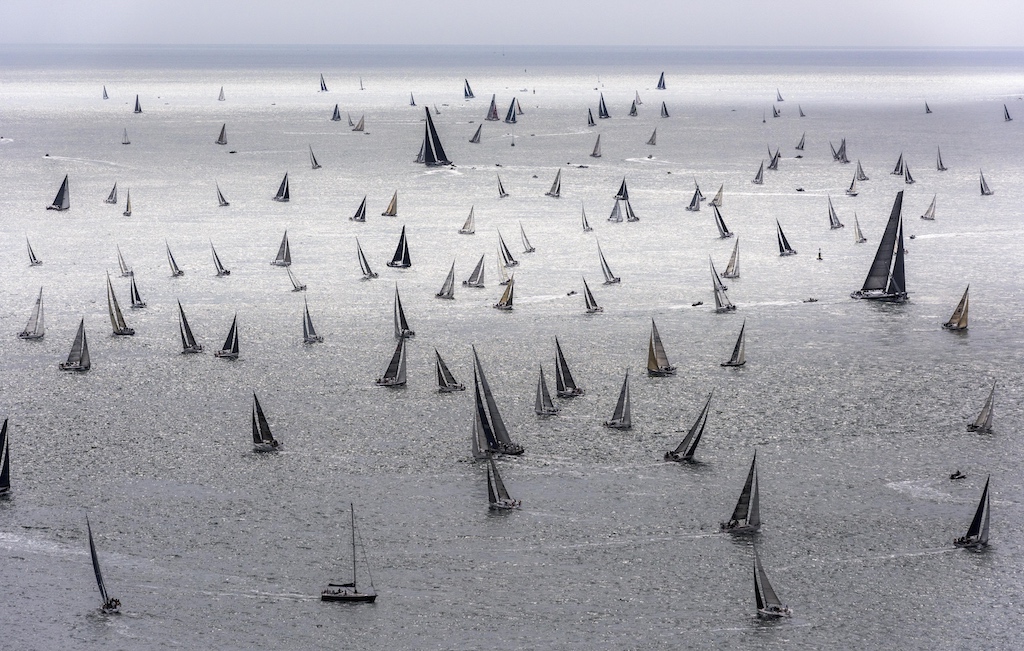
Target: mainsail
[
  {"x": 664, "y": 110},
  {"x": 262, "y": 438},
  {"x": 312, "y": 159},
  {"x": 128, "y": 204},
  {"x": 929, "y": 214},
  {"x": 360, "y": 214},
  {"x": 230, "y": 348},
  {"x": 125, "y": 269},
  {"x": 723, "y": 230},
  {"x": 501, "y": 189},
  {"x": 336, "y": 115},
  {"x": 759, "y": 177},
  {"x": 217, "y": 265},
  {"x": 112, "y": 197},
  {"x": 527, "y": 247},
  {"x": 985, "y": 191},
  {"x": 602, "y": 109},
  {"x": 392, "y": 209},
  {"x": 800, "y": 145},
  {"x": 938, "y": 161},
  {"x": 588, "y": 299},
  {"x": 886, "y": 280},
  {"x": 858, "y": 235},
  {"x": 221, "y": 200},
  {"x": 222, "y": 139},
  {"x": 722, "y": 302},
  {"x": 506, "y": 255},
  {"x": 476, "y": 136},
  {"x": 137, "y": 302},
  {"x": 467, "y": 92},
  {"x": 661, "y": 82},
  {"x": 653, "y": 140},
  {"x": 977, "y": 532},
  {"x": 597, "y": 149},
  {"x": 175, "y": 270},
  {"x": 510, "y": 116},
  {"x": 33, "y": 261},
  {"x": 506, "y": 300}
]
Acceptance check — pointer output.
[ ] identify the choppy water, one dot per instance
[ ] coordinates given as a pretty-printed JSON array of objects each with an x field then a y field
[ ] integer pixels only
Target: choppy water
[{"x": 857, "y": 411}]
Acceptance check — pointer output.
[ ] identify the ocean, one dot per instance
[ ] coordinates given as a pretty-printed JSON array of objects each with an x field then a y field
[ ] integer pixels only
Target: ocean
[{"x": 857, "y": 411}]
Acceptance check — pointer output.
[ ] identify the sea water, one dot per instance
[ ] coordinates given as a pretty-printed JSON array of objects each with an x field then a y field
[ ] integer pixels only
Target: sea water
[{"x": 857, "y": 410}]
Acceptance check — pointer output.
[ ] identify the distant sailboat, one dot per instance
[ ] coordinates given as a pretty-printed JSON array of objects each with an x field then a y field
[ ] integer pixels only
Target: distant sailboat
[
  {"x": 497, "y": 439},
  {"x": 336, "y": 115},
  {"x": 105, "y": 96},
  {"x": 732, "y": 270},
  {"x": 927, "y": 109},
  {"x": 506, "y": 254},
  {"x": 769, "y": 606},
  {"x": 784, "y": 247},
  {"x": 217, "y": 266},
  {"x": 852, "y": 190},
  {"x": 586, "y": 225},
  {"x": 349, "y": 592},
  {"x": 284, "y": 191},
  {"x": 510, "y": 116},
  {"x": 841, "y": 153},
  {"x": 616, "y": 215},
  {"x": 723, "y": 230},
  {"x": 401, "y": 257},
  {"x": 125, "y": 269},
  {"x": 657, "y": 361},
  {"x": 448, "y": 288},
  {"x": 773, "y": 160},
  {"x": 469, "y": 226},
  {"x": 759, "y": 177},
  {"x": 188, "y": 340},
  {"x": 467, "y": 92},
  {"x": 858, "y": 235},
  {"x": 664, "y": 110},
  {"x": 739, "y": 351},
  {"x": 688, "y": 446},
  {"x": 977, "y": 533},
  {"x": 284, "y": 253},
  {"x": 938, "y": 161},
  {"x": 621, "y": 418},
  {"x": 609, "y": 277},
  {"x": 492, "y": 111},
  {"x": 33, "y": 261},
  {"x": 929, "y": 214},
  {"x": 412, "y": 100},
  {"x": 476, "y": 279},
  {"x": 506, "y": 300},
  {"x": 501, "y": 189},
  {"x": 588, "y": 300},
  {"x": 746, "y": 517},
  {"x": 361, "y": 125},
  {"x": 78, "y": 358},
  {"x": 175, "y": 271},
  {"x": 983, "y": 423},
  {"x": 128, "y": 204},
  {"x": 296, "y": 285},
  {"x": 590, "y": 118},
  {"x": 476, "y": 136},
  {"x": 5, "y": 461},
  {"x": 138, "y": 107},
  {"x": 778, "y": 96},
  {"x": 907, "y": 178},
  {"x": 722, "y": 302},
  {"x": 556, "y": 186},
  {"x": 985, "y": 191},
  {"x": 859, "y": 174},
  {"x": 220, "y": 98},
  {"x": 661, "y": 82},
  {"x": 527, "y": 247},
  {"x": 117, "y": 321},
  {"x": 800, "y": 145},
  {"x": 717, "y": 200},
  {"x": 364, "y": 265},
  {"x": 897, "y": 170},
  {"x": 110, "y": 604},
  {"x": 833, "y": 218},
  {"x": 124, "y": 138},
  {"x": 959, "y": 319},
  {"x": 402, "y": 329},
  {"x": 542, "y": 404},
  {"x": 597, "y": 149},
  {"x": 1006, "y": 114},
  {"x": 431, "y": 149},
  {"x": 63, "y": 199},
  {"x": 886, "y": 279},
  {"x": 632, "y": 110},
  {"x": 313, "y": 163},
  {"x": 309, "y": 335},
  {"x": 230, "y": 348},
  {"x": 497, "y": 495},
  {"x": 262, "y": 438},
  {"x": 222, "y": 139},
  {"x": 112, "y": 197},
  {"x": 565, "y": 384},
  {"x": 360, "y": 214},
  {"x": 653, "y": 140},
  {"x": 800, "y": 110},
  {"x": 446, "y": 382},
  {"x": 36, "y": 327},
  {"x": 602, "y": 109},
  {"x": 775, "y": 112},
  {"x": 323, "y": 84},
  {"x": 623, "y": 192},
  {"x": 392, "y": 209}
]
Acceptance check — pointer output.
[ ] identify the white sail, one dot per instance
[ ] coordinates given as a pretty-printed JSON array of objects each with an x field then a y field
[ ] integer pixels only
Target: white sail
[
  {"x": 492, "y": 111},
  {"x": 392, "y": 209},
  {"x": 732, "y": 270},
  {"x": 717, "y": 200},
  {"x": 476, "y": 279},
  {"x": 556, "y": 186},
  {"x": 657, "y": 360},
  {"x": 527, "y": 247},
  {"x": 983, "y": 423},
  {"x": 858, "y": 235},
  {"x": 722, "y": 302},
  {"x": 469, "y": 226},
  {"x": 583, "y": 213},
  {"x": 125, "y": 269},
  {"x": 501, "y": 189},
  {"x": 220, "y": 98},
  {"x": 128, "y": 204},
  {"x": 312, "y": 159},
  {"x": 929, "y": 214},
  {"x": 297, "y": 286},
  {"x": 361, "y": 125},
  {"x": 507, "y": 297},
  {"x": 448, "y": 288},
  {"x": 124, "y": 138}
]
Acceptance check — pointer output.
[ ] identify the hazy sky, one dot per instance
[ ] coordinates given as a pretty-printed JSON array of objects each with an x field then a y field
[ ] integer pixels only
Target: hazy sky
[{"x": 680, "y": 23}]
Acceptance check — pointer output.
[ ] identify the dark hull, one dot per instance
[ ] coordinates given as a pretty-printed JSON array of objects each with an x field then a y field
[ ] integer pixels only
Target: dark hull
[{"x": 348, "y": 597}]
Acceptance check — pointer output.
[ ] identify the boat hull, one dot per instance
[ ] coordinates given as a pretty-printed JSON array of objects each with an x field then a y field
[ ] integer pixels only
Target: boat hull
[
  {"x": 73, "y": 366},
  {"x": 399, "y": 265},
  {"x": 124, "y": 332},
  {"x": 733, "y": 364},
  {"x": 345, "y": 596},
  {"x": 504, "y": 505},
  {"x": 663, "y": 371},
  {"x": 225, "y": 354},
  {"x": 452, "y": 388},
  {"x": 678, "y": 458},
  {"x": 192, "y": 349},
  {"x": 281, "y": 263},
  {"x": 617, "y": 424},
  {"x": 29, "y": 335},
  {"x": 774, "y": 613},
  {"x": 267, "y": 447},
  {"x": 885, "y": 297},
  {"x": 499, "y": 306},
  {"x": 739, "y": 529},
  {"x": 954, "y": 327},
  {"x": 382, "y": 382},
  {"x": 312, "y": 340},
  {"x": 974, "y": 544}
]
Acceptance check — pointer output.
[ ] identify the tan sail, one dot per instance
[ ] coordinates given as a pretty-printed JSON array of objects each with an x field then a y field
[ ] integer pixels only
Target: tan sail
[{"x": 959, "y": 319}]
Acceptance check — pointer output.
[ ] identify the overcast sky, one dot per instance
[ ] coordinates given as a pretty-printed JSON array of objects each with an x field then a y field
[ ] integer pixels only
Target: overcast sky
[{"x": 680, "y": 23}]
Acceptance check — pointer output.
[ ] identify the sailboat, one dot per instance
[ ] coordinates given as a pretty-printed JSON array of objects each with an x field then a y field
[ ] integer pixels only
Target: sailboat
[
  {"x": 220, "y": 98},
  {"x": 586, "y": 225},
  {"x": 117, "y": 321},
  {"x": 469, "y": 226},
  {"x": 501, "y": 189},
  {"x": 800, "y": 145},
  {"x": 349, "y": 592},
  {"x": 858, "y": 235},
  {"x": 63, "y": 199},
  {"x": 476, "y": 279},
  {"x": 402, "y": 329},
  {"x": 128, "y": 204},
  {"x": 188, "y": 340},
  {"x": 632, "y": 110},
  {"x": 929, "y": 214},
  {"x": 746, "y": 517},
  {"x": 138, "y": 106},
  {"x": 636, "y": 99},
  {"x": 833, "y": 218},
  {"x": 565, "y": 384},
  {"x": 492, "y": 111},
  {"x": 597, "y": 149},
  {"x": 556, "y": 187},
  {"x": 125, "y": 269},
  {"x": 927, "y": 109},
  {"x": 124, "y": 138},
  {"x": 630, "y": 215},
  {"x": 657, "y": 361},
  {"x": 686, "y": 448},
  {"x": 323, "y": 85},
  {"x": 938, "y": 161},
  {"x": 218, "y": 267},
  {"x": 175, "y": 271},
  {"x": 773, "y": 160},
  {"x": 784, "y": 247},
  {"x": 886, "y": 279},
  {"x": 959, "y": 319},
  {"x": 448, "y": 288},
  {"x": 759, "y": 177},
  {"x": 497, "y": 494},
  {"x": 110, "y": 604},
  {"x": 722, "y": 302},
  {"x": 392, "y": 209},
  {"x": 505, "y": 302},
  {"x": 510, "y": 116},
  {"x": 105, "y": 96},
  {"x": 112, "y": 197},
  {"x": 476, "y": 135},
  {"x": 412, "y": 100},
  {"x": 852, "y": 190},
  {"x": 977, "y": 532},
  {"x": 230, "y": 348},
  {"x": 33, "y": 261},
  {"x": 506, "y": 255},
  {"x": 5, "y": 461},
  {"x": 661, "y": 82},
  {"x": 723, "y": 230},
  {"x": 590, "y": 118},
  {"x": 336, "y": 115},
  {"x": 446, "y": 382},
  {"x": 502, "y": 274},
  {"x": 431, "y": 149},
  {"x": 467, "y": 92},
  {"x": 35, "y": 328},
  {"x": 395, "y": 375},
  {"x": 360, "y": 214},
  {"x": 616, "y": 215},
  {"x": 609, "y": 277},
  {"x": 361, "y": 125},
  {"x": 841, "y": 154},
  {"x": 732, "y": 270},
  {"x": 694, "y": 205},
  {"x": 309, "y": 335},
  {"x": 364, "y": 265},
  {"x": 739, "y": 351},
  {"x": 588, "y": 300},
  {"x": 488, "y": 420},
  {"x": 800, "y": 110},
  {"x": 621, "y": 418},
  {"x": 221, "y": 200},
  {"x": 222, "y": 139},
  {"x": 778, "y": 96},
  {"x": 1006, "y": 114},
  {"x": 983, "y": 423},
  {"x": 296, "y": 285},
  {"x": 769, "y": 606},
  {"x": 78, "y": 358},
  {"x": 602, "y": 109},
  {"x": 312, "y": 159},
  {"x": 985, "y": 191},
  {"x": 775, "y": 112},
  {"x": 401, "y": 258},
  {"x": 527, "y": 247},
  {"x": 284, "y": 191},
  {"x": 542, "y": 404},
  {"x": 664, "y": 110},
  {"x": 262, "y": 438},
  {"x": 907, "y": 178},
  {"x": 859, "y": 174},
  {"x": 623, "y": 191},
  {"x": 897, "y": 170},
  {"x": 717, "y": 200}
]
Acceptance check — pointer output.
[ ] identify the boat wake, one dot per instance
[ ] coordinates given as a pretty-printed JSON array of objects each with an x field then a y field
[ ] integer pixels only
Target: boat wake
[{"x": 84, "y": 160}]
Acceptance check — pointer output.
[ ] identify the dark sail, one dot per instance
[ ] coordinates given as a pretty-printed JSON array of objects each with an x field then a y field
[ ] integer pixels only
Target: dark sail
[{"x": 433, "y": 152}]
